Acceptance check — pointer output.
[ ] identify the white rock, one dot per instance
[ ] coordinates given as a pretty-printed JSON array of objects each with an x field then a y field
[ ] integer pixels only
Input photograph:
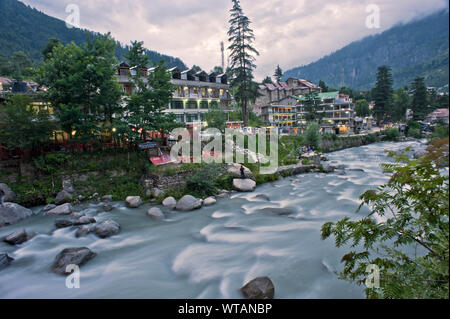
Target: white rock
[
  {"x": 244, "y": 185},
  {"x": 170, "y": 203},
  {"x": 209, "y": 201},
  {"x": 133, "y": 201},
  {"x": 155, "y": 213},
  {"x": 65, "y": 209},
  {"x": 188, "y": 203}
]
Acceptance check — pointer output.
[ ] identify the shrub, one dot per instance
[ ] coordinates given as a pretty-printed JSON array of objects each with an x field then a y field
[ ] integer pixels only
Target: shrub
[
  {"x": 312, "y": 135},
  {"x": 392, "y": 134}
]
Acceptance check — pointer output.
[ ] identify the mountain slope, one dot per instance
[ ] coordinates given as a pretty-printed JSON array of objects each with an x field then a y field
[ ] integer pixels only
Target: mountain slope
[
  {"x": 419, "y": 48},
  {"x": 23, "y": 28}
]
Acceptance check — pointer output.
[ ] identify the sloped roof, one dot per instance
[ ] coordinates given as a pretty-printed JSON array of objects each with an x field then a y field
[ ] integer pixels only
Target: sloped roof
[
  {"x": 5, "y": 80},
  {"x": 322, "y": 96},
  {"x": 439, "y": 113}
]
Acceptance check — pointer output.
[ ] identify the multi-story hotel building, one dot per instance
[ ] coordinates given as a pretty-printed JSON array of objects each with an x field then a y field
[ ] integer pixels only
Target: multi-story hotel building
[
  {"x": 195, "y": 92},
  {"x": 336, "y": 109},
  {"x": 278, "y": 104}
]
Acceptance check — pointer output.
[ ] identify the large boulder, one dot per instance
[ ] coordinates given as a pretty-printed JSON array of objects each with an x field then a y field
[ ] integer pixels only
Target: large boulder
[
  {"x": 71, "y": 256},
  {"x": 209, "y": 201},
  {"x": 48, "y": 207},
  {"x": 5, "y": 260},
  {"x": 106, "y": 229},
  {"x": 84, "y": 231},
  {"x": 16, "y": 238},
  {"x": 170, "y": 203},
  {"x": 9, "y": 194},
  {"x": 155, "y": 213},
  {"x": 188, "y": 203},
  {"x": 63, "y": 197},
  {"x": 235, "y": 171},
  {"x": 244, "y": 185},
  {"x": 65, "y": 209},
  {"x": 259, "y": 288},
  {"x": 12, "y": 213},
  {"x": 133, "y": 201}
]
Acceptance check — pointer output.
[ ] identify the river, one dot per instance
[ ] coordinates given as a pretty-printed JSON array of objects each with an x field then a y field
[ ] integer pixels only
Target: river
[{"x": 212, "y": 252}]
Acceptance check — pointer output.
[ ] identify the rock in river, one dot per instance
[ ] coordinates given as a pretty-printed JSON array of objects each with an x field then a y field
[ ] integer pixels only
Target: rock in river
[
  {"x": 106, "y": 229},
  {"x": 155, "y": 213},
  {"x": 71, "y": 256},
  {"x": 16, "y": 238},
  {"x": 259, "y": 288},
  {"x": 277, "y": 211},
  {"x": 188, "y": 203},
  {"x": 4, "y": 260},
  {"x": 65, "y": 209},
  {"x": 244, "y": 185},
  {"x": 12, "y": 213},
  {"x": 9, "y": 194},
  {"x": 63, "y": 197},
  {"x": 209, "y": 201},
  {"x": 170, "y": 203},
  {"x": 133, "y": 201}
]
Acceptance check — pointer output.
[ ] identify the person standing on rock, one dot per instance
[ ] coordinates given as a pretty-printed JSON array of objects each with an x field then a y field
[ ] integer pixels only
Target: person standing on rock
[{"x": 242, "y": 172}]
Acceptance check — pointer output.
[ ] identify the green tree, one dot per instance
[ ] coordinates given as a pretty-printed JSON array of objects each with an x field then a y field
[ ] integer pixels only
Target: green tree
[
  {"x": 216, "y": 118},
  {"x": 144, "y": 108},
  {"x": 48, "y": 50},
  {"x": 312, "y": 135},
  {"x": 419, "y": 103},
  {"x": 23, "y": 126},
  {"x": 402, "y": 102},
  {"x": 362, "y": 108},
  {"x": 82, "y": 87},
  {"x": 323, "y": 86},
  {"x": 267, "y": 80},
  {"x": 310, "y": 107},
  {"x": 409, "y": 213},
  {"x": 242, "y": 58},
  {"x": 196, "y": 68},
  {"x": 218, "y": 70},
  {"x": 21, "y": 65},
  {"x": 137, "y": 57},
  {"x": 278, "y": 75},
  {"x": 383, "y": 95}
]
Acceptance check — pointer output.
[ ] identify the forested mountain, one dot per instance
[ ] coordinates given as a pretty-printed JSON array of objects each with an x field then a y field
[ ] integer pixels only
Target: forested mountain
[
  {"x": 419, "y": 48},
  {"x": 26, "y": 29}
]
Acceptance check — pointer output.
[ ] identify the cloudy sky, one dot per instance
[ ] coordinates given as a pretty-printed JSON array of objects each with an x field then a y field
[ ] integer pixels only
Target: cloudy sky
[{"x": 288, "y": 32}]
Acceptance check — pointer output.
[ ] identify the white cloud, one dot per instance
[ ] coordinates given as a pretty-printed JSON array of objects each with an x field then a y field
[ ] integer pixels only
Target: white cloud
[{"x": 288, "y": 32}]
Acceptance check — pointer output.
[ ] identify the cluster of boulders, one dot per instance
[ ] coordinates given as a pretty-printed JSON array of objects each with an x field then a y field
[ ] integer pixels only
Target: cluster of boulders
[{"x": 10, "y": 212}]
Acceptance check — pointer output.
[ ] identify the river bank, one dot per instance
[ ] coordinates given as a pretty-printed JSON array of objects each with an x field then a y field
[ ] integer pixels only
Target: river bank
[
  {"x": 211, "y": 252},
  {"x": 123, "y": 173}
]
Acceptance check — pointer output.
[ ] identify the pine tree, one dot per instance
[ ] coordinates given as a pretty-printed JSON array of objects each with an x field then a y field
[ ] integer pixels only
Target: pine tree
[
  {"x": 242, "y": 58},
  {"x": 420, "y": 99},
  {"x": 384, "y": 95},
  {"x": 137, "y": 57},
  {"x": 278, "y": 73}
]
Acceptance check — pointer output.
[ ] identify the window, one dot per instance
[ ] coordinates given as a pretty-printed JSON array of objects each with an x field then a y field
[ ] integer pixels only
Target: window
[
  {"x": 192, "y": 105},
  {"x": 214, "y": 104},
  {"x": 204, "y": 105},
  {"x": 191, "y": 117},
  {"x": 176, "y": 105}
]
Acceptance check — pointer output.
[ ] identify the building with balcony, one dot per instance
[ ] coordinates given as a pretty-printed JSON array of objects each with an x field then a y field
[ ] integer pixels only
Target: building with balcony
[
  {"x": 336, "y": 111},
  {"x": 195, "y": 92}
]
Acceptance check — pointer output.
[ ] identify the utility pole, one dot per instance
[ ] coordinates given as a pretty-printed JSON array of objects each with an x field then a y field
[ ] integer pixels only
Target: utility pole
[{"x": 222, "y": 48}]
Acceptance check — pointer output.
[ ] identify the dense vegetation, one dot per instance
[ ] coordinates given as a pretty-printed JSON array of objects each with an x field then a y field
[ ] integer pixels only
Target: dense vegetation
[
  {"x": 26, "y": 29},
  {"x": 416, "y": 49}
]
